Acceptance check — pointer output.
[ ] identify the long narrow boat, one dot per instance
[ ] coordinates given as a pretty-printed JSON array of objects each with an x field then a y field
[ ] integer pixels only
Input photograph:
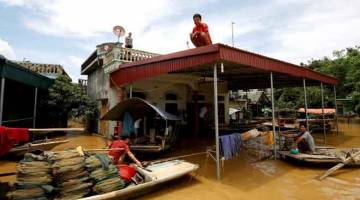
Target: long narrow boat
[
  {"x": 155, "y": 175},
  {"x": 323, "y": 155},
  {"x": 30, "y": 147}
]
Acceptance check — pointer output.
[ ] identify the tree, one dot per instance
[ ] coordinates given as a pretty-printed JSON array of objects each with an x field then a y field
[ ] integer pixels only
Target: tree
[
  {"x": 69, "y": 100},
  {"x": 345, "y": 66}
]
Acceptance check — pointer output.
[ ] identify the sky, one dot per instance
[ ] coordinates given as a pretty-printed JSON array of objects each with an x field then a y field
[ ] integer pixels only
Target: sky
[{"x": 66, "y": 32}]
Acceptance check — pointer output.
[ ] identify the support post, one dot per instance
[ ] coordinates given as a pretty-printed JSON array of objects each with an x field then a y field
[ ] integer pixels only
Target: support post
[
  {"x": 216, "y": 117},
  {"x": 2, "y": 92},
  {"x": 131, "y": 91},
  {"x": 336, "y": 112},
  {"x": 273, "y": 112},
  {"x": 35, "y": 106},
  {"x": 322, "y": 110},
  {"x": 306, "y": 106}
]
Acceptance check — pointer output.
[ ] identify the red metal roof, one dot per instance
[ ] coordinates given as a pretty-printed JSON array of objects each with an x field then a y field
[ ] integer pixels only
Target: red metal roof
[{"x": 204, "y": 57}]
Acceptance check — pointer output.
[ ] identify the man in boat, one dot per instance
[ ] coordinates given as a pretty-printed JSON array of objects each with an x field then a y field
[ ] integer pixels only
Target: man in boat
[
  {"x": 119, "y": 155},
  {"x": 303, "y": 139},
  {"x": 200, "y": 35}
]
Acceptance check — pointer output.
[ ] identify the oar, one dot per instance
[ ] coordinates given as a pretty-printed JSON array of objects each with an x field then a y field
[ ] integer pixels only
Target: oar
[{"x": 340, "y": 165}]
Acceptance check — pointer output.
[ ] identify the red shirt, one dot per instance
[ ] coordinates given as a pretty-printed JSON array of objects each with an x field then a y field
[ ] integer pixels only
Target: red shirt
[
  {"x": 118, "y": 153},
  {"x": 202, "y": 27}
]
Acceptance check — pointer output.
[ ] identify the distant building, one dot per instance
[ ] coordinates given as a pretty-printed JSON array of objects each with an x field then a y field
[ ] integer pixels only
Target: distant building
[
  {"x": 49, "y": 70},
  {"x": 254, "y": 100}
]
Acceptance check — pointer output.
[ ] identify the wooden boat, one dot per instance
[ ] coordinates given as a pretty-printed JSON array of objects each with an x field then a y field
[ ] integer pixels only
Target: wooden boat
[
  {"x": 323, "y": 155},
  {"x": 155, "y": 175},
  {"x": 30, "y": 147}
]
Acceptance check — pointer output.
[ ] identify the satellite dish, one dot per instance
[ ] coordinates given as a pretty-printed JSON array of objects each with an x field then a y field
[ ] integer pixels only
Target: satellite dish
[{"x": 119, "y": 31}]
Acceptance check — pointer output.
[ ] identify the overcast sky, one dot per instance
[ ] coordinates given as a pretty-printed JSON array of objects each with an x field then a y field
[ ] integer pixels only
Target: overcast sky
[{"x": 67, "y": 31}]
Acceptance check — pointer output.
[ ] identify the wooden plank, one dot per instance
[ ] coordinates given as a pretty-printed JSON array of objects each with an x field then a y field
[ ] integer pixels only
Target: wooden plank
[
  {"x": 340, "y": 165},
  {"x": 303, "y": 156}
]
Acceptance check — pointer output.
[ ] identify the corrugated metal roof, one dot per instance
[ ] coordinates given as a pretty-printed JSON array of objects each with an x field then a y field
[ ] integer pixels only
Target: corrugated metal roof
[
  {"x": 15, "y": 72},
  {"x": 243, "y": 69}
]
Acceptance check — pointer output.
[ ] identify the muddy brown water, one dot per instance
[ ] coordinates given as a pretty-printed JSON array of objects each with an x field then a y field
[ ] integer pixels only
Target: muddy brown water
[{"x": 244, "y": 179}]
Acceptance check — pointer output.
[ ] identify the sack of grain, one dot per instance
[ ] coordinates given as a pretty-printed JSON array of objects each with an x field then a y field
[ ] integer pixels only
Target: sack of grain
[
  {"x": 104, "y": 173},
  {"x": 70, "y": 176},
  {"x": 33, "y": 179}
]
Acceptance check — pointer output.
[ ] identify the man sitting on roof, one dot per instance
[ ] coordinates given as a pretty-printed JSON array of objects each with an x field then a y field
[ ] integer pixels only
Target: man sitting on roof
[
  {"x": 200, "y": 35},
  {"x": 303, "y": 140}
]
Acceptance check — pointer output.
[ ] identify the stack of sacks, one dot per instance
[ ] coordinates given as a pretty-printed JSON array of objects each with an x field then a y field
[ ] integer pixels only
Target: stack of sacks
[
  {"x": 71, "y": 178},
  {"x": 33, "y": 179},
  {"x": 104, "y": 174}
]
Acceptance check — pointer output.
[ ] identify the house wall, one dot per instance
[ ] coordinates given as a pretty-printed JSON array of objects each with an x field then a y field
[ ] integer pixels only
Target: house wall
[{"x": 156, "y": 90}]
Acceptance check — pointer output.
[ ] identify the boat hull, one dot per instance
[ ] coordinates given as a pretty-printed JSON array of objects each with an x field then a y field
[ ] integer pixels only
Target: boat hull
[
  {"x": 316, "y": 159},
  {"x": 158, "y": 176},
  {"x": 27, "y": 148}
]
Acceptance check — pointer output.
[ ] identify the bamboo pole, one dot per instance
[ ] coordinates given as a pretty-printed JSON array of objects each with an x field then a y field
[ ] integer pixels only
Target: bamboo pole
[
  {"x": 305, "y": 105},
  {"x": 55, "y": 129},
  {"x": 273, "y": 113},
  {"x": 322, "y": 111}
]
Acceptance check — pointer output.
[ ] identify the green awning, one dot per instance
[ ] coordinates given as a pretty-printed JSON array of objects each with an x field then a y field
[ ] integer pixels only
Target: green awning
[{"x": 15, "y": 72}]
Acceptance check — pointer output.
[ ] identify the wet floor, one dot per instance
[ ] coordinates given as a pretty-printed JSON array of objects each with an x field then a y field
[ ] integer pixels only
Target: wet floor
[{"x": 243, "y": 178}]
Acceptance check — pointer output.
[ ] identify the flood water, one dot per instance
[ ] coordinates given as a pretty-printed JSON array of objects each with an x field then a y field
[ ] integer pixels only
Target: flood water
[{"x": 243, "y": 178}]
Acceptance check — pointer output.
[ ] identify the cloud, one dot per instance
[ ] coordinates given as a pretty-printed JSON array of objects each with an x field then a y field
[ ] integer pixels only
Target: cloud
[
  {"x": 72, "y": 66},
  {"x": 322, "y": 27},
  {"x": 6, "y": 50},
  {"x": 294, "y": 30}
]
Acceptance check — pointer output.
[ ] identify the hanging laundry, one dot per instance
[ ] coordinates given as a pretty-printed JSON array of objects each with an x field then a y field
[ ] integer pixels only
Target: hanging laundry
[
  {"x": 128, "y": 125},
  {"x": 230, "y": 145}
]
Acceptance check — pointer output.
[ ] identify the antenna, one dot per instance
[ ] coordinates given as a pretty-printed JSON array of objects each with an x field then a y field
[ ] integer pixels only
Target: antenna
[
  {"x": 232, "y": 33},
  {"x": 119, "y": 31}
]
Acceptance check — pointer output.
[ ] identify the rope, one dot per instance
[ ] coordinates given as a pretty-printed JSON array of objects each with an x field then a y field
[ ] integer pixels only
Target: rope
[{"x": 177, "y": 157}]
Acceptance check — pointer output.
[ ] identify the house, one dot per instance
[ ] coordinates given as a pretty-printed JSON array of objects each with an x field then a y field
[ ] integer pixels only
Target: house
[
  {"x": 183, "y": 83},
  {"x": 181, "y": 95}
]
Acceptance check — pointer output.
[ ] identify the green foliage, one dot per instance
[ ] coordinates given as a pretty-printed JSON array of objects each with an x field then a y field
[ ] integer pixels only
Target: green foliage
[
  {"x": 345, "y": 66},
  {"x": 69, "y": 99}
]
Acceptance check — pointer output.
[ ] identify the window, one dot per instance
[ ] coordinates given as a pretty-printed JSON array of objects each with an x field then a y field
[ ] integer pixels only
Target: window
[{"x": 170, "y": 96}]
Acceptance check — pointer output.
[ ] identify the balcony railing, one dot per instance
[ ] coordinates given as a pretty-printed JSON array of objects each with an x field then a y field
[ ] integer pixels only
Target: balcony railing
[
  {"x": 127, "y": 55},
  {"x": 114, "y": 58}
]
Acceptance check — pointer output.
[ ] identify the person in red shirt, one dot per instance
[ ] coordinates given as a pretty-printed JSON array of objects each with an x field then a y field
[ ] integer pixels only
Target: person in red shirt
[
  {"x": 119, "y": 154},
  {"x": 200, "y": 35}
]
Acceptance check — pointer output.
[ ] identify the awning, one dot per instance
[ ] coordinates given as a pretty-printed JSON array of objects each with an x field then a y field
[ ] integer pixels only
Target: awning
[
  {"x": 318, "y": 111},
  {"x": 137, "y": 108}
]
